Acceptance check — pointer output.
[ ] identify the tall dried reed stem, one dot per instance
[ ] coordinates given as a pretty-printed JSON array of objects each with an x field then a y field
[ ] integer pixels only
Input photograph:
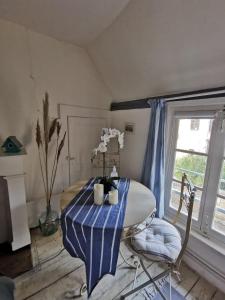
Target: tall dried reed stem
[{"x": 43, "y": 139}]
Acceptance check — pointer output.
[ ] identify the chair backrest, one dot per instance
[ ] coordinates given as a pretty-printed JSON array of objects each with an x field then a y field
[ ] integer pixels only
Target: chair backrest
[{"x": 187, "y": 199}]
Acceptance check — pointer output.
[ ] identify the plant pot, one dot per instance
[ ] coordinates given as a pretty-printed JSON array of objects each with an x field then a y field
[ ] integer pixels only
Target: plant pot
[{"x": 49, "y": 222}]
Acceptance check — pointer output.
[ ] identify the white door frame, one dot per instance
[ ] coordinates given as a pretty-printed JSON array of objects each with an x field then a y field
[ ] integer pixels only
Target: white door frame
[{"x": 65, "y": 112}]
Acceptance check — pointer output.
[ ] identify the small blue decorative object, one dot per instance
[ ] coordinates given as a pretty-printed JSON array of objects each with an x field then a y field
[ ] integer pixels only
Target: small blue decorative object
[{"x": 12, "y": 145}]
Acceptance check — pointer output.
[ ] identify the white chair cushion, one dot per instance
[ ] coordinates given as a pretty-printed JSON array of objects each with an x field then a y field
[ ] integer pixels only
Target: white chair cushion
[{"x": 160, "y": 242}]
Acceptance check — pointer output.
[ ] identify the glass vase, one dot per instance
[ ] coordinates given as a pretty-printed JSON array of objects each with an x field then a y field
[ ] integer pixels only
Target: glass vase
[{"x": 49, "y": 222}]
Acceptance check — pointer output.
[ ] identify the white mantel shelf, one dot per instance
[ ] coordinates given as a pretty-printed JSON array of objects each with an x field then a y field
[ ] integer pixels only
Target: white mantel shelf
[{"x": 11, "y": 168}]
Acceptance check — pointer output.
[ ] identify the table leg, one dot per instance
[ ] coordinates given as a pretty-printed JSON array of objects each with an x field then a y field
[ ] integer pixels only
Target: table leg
[{"x": 135, "y": 264}]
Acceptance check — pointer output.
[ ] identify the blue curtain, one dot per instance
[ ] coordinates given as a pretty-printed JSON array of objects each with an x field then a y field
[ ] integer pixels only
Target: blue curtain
[{"x": 153, "y": 166}]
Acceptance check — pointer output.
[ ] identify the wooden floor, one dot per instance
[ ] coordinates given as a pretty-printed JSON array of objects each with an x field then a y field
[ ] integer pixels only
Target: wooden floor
[{"x": 62, "y": 274}]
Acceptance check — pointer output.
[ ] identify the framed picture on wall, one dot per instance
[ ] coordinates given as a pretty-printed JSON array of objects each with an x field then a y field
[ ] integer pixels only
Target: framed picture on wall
[{"x": 129, "y": 128}]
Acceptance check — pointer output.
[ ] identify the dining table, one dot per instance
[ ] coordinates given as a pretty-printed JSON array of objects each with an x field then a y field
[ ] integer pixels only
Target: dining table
[
  {"x": 136, "y": 211},
  {"x": 140, "y": 206}
]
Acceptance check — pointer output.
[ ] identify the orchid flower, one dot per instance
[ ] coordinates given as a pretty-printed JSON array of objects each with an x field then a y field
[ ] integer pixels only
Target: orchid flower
[
  {"x": 121, "y": 140},
  {"x": 109, "y": 133},
  {"x": 102, "y": 147}
]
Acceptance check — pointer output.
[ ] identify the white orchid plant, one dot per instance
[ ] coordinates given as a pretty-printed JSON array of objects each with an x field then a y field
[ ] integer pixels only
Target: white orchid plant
[{"x": 108, "y": 134}]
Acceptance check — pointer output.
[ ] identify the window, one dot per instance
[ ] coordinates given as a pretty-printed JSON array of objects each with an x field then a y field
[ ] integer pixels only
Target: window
[
  {"x": 197, "y": 149},
  {"x": 219, "y": 210},
  {"x": 191, "y": 155},
  {"x": 195, "y": 124}
]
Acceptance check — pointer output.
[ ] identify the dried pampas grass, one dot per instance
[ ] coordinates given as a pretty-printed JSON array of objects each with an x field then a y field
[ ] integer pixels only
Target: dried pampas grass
[{"x": 43, "y": 139}]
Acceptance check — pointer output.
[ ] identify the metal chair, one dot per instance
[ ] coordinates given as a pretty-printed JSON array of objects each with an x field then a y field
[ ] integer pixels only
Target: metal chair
[{"x": 171, "y": 259}]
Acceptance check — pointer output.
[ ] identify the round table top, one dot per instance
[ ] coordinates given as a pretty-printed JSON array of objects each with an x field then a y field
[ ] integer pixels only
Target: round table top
[
  {"x": 140, "y": 201},
  {"x": 140, "y": 204}
]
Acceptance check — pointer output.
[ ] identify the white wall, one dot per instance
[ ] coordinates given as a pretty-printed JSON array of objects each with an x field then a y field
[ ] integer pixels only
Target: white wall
[
  {"x": 157, "y": 46},
  {"x": 131, "y": 159},
  {"x": 31, "y": 64}
]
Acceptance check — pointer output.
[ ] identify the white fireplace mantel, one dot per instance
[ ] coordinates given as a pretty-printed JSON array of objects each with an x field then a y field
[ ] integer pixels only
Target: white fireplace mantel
[{"x": 11, "y": 168}]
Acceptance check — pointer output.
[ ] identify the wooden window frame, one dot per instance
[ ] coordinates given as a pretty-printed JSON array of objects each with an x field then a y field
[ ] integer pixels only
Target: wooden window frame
[{"x": 215, "y": 159}]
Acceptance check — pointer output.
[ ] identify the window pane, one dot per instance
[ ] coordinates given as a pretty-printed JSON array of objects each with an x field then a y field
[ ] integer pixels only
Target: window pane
[
  {"x": 175, "y": 194},
  {"x": 194, "y": 134},
  {"x": 195, "y": 123},
  {"x": 175, "y": 200},
  {"x": 219, "y": 212},
  {"x": 221, "y": 188},
  {"x": 191, "y": 164},
  {"x": 219, "y": 216}
]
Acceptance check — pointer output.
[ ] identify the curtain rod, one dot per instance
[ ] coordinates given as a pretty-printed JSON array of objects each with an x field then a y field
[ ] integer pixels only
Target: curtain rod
[{"x": 184, "y": 96}]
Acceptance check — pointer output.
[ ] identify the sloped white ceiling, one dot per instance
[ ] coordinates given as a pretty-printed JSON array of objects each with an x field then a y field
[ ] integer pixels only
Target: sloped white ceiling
[
  {"x": 74, "y": 21},
  {"x": 159, "y": 46},
  {"x": 141, "y": 47}
]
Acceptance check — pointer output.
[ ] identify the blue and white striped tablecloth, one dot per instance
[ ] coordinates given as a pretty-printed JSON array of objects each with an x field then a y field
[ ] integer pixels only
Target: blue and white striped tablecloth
[{"x": 93, "y": 232}]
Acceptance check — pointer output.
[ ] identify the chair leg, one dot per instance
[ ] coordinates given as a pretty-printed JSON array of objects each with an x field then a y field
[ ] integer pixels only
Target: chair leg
[
  {"x": 133, "y": 266},
  {"x": 153, "y": 281},
  {"x": 137, "y": 264},
  {"x": 170, "y": 286},
  {"x": 143, "y": 285}
]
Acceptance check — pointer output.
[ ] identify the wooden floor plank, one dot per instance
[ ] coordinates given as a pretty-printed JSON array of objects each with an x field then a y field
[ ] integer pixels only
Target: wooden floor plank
[
  {"x": 188, "y": 279},
  {"x": 32, "y": 282},
  {"x": 43, "y": 240},
  {"x": 55, "y": 292},
  {"x": 106, "y": 288},
  {"x": 74, "y": 280},
  {"x": 46, "y": 246},
  {"x": 202, "y": 290},
  {"x": 218, "y": 296},
  {"x": 64, "y": 273},
  {"x": 51, "y": 273}
]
